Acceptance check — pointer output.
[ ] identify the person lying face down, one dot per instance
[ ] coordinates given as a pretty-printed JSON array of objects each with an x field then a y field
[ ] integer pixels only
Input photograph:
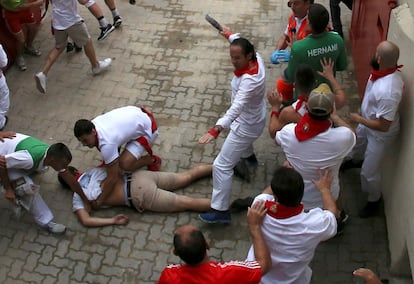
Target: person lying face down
[{"x": 141, "y": 190}]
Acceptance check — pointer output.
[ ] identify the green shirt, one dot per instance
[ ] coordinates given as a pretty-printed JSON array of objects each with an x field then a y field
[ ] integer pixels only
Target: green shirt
[
  {"x": 12, "y": 5},
  {"x": 312, "y": 49},
  {"x": 36, "y": 148}
]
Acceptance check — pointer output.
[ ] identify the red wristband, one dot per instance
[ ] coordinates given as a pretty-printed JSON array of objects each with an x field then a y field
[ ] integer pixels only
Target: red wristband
[
  {"x": 227, "y": 34},
  {"x": 213, "y": 131},
  {"x": 274, "y": 113}
]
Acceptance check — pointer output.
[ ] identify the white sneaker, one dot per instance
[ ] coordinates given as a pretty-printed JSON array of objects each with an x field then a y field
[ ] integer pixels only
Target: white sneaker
[
  {"x": 41, "y": 80},
  {"x": 55, "y": 228},
  {"x": 103, "y": 65}
]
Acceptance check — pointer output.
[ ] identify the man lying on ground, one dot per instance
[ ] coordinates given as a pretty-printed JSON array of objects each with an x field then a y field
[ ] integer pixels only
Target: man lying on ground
[{"x": 141, "y": 190}]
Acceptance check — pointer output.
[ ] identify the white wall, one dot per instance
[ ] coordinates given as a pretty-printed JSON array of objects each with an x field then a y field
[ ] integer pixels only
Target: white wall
[{"x": 398, "y": 168}]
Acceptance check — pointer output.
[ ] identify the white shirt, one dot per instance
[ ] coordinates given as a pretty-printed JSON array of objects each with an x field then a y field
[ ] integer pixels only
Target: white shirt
[
  {"x": 247, "y": 113},
  {"x": 18, "y": 162},
  {"x": 298, "y": 24},
  {"x": 381, "y": 99},
  {"x": 302, "y": 110},
  {"x": 90, "y": 182},
  {"x": 292, "y": 243},
  {"x": 118, "y": 127},
  {"x": 326, "y": 150},
  {"x": 64, "y": 14}
]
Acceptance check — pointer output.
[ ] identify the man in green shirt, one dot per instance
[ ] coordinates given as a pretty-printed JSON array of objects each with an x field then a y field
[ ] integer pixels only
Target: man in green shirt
[{"x": 311, "y": 50}]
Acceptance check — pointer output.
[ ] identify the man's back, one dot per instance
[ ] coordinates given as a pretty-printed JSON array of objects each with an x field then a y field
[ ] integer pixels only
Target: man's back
[
  {"x": 240, "y": 272},
  {"x": 314, "y": 48},
  {"x": 292, "y": 242},
  {"x": 326, "y": 150}
]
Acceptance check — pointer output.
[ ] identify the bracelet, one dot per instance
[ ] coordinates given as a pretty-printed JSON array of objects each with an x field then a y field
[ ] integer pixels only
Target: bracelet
[
  {"x": 274, "y": 113},
  {"x": 214, "y": 132}
]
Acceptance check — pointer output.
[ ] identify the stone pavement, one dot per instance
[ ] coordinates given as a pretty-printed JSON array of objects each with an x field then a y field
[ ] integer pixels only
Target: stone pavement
[{"x": 167, "y": 58}]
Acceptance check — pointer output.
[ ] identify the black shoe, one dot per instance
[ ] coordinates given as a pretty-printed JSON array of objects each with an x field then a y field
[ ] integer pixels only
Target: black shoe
[
  {"x": 5, "y": 122},
  {"x": 106, "y": 31},
  {"x": 132, "y": 2},
  {"x": 341, "y": 221},
  {"x": 241, "y": 170},
  {"x": 77, "y": 48},
  {"x": 251, "y": 160},
  {"x": 350, "y": 164},
  {"x": 117, "y": 21},
  {"x": 241, "y": 204},
  {"x": 69, "y": 47},
  {"x": 370, "y": 209}
]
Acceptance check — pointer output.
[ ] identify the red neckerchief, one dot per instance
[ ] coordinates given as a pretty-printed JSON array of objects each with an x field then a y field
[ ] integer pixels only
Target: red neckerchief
[
  {"x": 280, "y": 211},
  {"x": 301, "y": 100},
  {"x": 376, "y": 74},
  {"x": 247, "y": 69},
  {"x": 78, "y": 175},
  {"x": 307, "y": 127}
]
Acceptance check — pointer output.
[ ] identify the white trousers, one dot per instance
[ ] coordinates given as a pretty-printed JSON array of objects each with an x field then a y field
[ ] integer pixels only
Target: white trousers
[
  {"x": 38, "y": 208},
  {"x": 4, "y": 101},
  {"x": 234, "y": 148},
  {"x": 371, "y": 148}
]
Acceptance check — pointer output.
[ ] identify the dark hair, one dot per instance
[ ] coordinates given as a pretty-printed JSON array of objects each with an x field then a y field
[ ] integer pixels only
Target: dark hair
[
  {"x": 82, "y": 127},
  {"x": 59, "y": 151},
  {"x": 246, "y": 47},
  {"x": 287, "y": 186},
  {"x": 319, "y": 116},
  {"x": 193, "y": 250},
  {"x": 305, "y": 80},
  {"x": 62, "y": 182},
  {"x": 318, "y": 17}
]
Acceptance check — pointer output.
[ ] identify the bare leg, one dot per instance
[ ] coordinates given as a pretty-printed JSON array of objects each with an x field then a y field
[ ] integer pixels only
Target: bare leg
[
  {"x": 184, "y": 203},
  {"x": 185, "y": 178},
  {"x": 110, "y": 4},
  {"x": 95, "y": 10},
  {"x": 20, "y": 43},
  {"x": 32, "y": 30},
  {"x": 90, "y": 53},
  {"x": 51, "y": 58},
  {"x": 129, "y": 163}
]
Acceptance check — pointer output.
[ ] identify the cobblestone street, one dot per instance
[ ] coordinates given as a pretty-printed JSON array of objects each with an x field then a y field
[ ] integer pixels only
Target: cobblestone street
[{"x": 167, "y": 58}]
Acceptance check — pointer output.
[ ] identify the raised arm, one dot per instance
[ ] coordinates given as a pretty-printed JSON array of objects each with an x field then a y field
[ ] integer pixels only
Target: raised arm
[
  {"x": 324, "y": 187},
  {"x": 255, "y": 216},
  {"x": 327, "y": 73}
]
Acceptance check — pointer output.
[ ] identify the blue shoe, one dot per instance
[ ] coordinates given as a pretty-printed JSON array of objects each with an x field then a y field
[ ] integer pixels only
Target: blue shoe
[{"x": 215, "y": 217}]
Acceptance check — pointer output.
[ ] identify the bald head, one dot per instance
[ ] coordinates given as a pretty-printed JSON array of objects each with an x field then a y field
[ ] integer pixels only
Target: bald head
[
  {"x": 388, "y": 54},
  {"x": 190, "y": 244}
]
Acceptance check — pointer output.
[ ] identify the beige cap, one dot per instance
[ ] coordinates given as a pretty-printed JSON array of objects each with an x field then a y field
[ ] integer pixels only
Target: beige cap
[{"x": 321, "y": 101}]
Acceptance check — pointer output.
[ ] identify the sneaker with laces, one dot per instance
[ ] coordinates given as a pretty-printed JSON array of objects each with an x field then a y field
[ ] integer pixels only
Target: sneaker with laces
[
  {"x": 105, "y": 31},
  {"x": 103, "y": 65},
  {"x": 32, "y": 51},
  {"x": 215, "y": 217},
  {"x": 21, "y": 63},
  {"x": 156, "y": 164},
  {"x": 117, "y": 21},
  {"x": 55, "y": 228},
  {"x": 41, "y": 81}
]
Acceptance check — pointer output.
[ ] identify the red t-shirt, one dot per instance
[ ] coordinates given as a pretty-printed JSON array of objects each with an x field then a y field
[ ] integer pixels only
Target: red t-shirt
[{"x": 240, "y": 272}]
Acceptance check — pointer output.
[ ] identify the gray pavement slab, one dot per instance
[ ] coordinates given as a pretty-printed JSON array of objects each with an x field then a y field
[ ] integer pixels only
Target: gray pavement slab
[{"x": 168, "y": 59}]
